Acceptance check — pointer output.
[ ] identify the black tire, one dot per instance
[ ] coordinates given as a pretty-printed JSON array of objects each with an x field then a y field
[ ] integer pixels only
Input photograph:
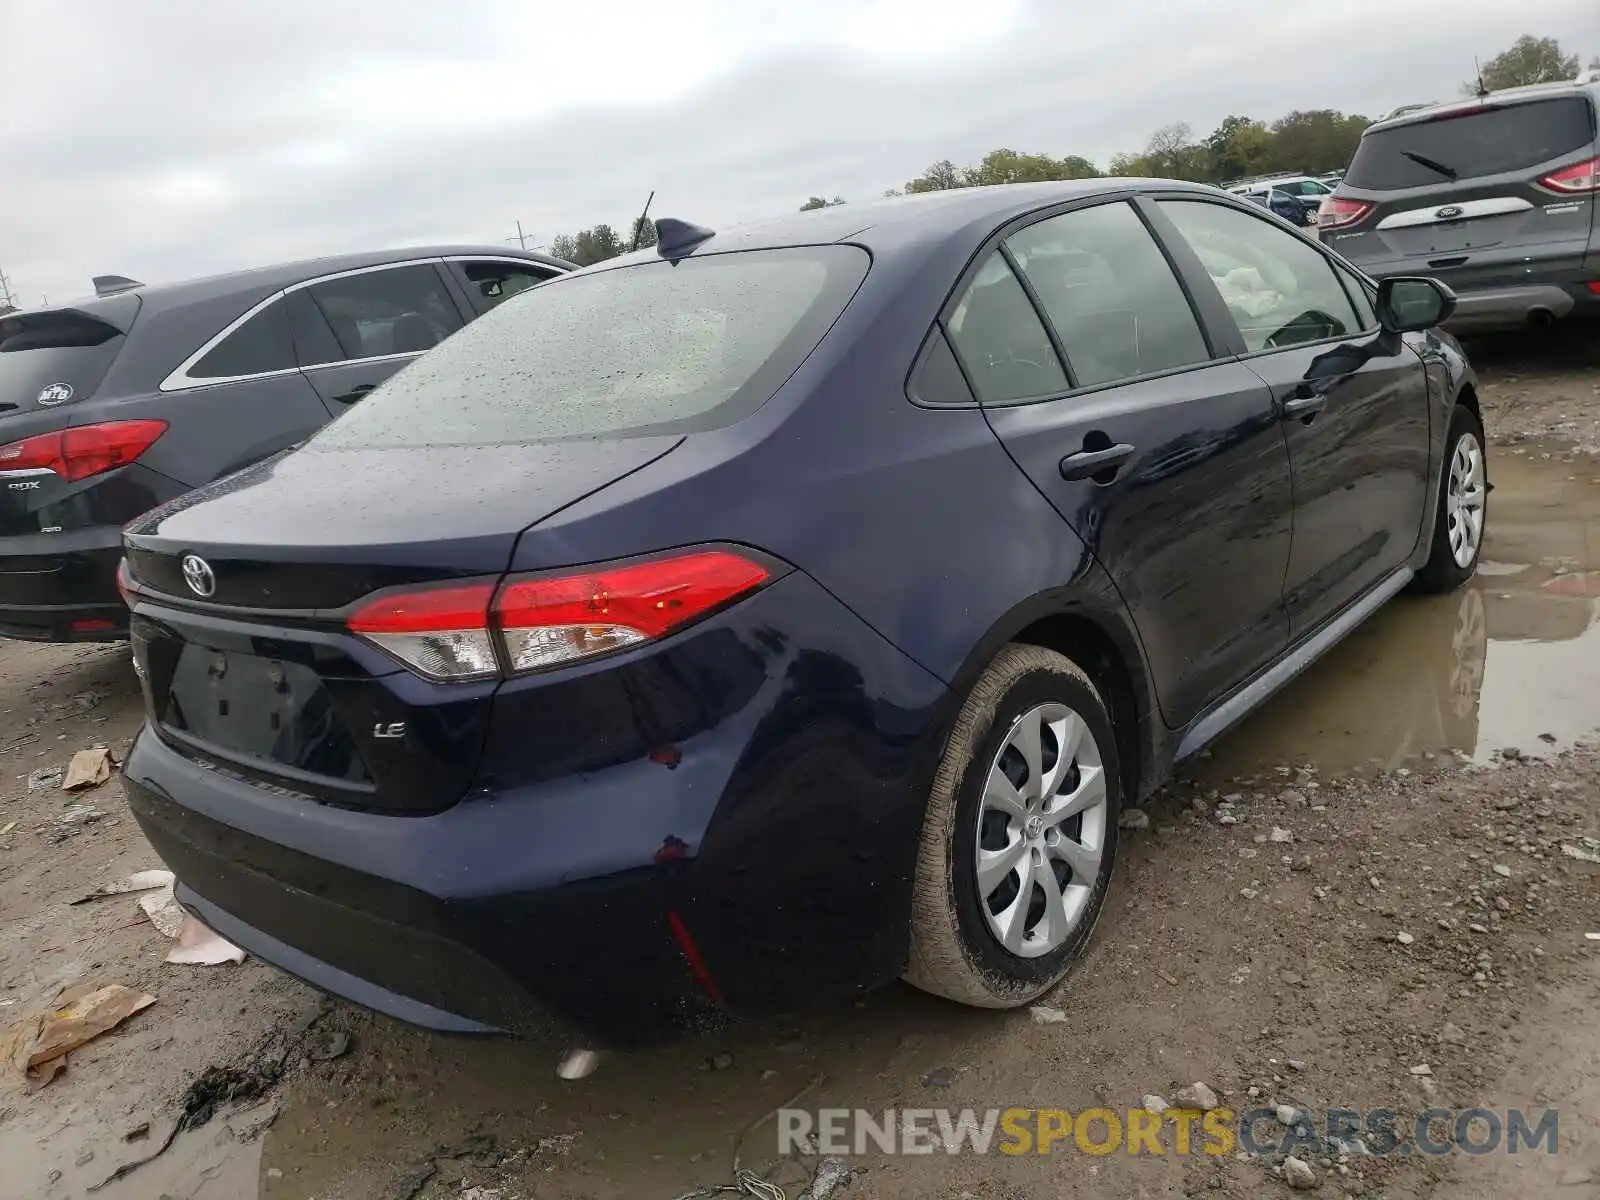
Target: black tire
[
  {"x": 1442, "y": 572},
  {"x": 954, "y": 951}
]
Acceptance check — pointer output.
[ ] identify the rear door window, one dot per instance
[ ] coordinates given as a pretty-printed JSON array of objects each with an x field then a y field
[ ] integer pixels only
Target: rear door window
[
  {"x": 1487, "y": 141},
  {"x": 314, "y": 343},
  {"x": 398, "y": 310},
  {"x": 1002, "y": 344},
  {"x": 659, "y": 347},
  {"x": 259, "y": 346},
  {"x": 1110, "y": 293},
  {"x": 60, "y": 356},
  {"x": 1280, "y": 289}
]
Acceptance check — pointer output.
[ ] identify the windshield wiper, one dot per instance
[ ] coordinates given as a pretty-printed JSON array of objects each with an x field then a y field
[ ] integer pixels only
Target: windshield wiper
[{"x": 1432, "y": 165}]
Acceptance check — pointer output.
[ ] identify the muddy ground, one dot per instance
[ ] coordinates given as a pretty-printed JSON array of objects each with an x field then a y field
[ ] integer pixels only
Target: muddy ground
[{"x": 1421, "y": 780}]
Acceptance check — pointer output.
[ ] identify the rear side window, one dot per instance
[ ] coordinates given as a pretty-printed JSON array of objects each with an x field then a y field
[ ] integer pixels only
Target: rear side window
[
  {"x": 1489, "y": 141},
  {"x": 402, "y": 310},
  {"x": 1001, "y": 342},
  {"x": 1279, "y": 289},
  {"x": 59, "y": 357},
  {"x": 1110, "y": 293},
  {"x": 260, "y": 345},
  {"x": 656, "y": 348}
]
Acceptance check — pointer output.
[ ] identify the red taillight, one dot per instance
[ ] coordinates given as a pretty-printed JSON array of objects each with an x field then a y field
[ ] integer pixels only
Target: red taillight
[
  {"x": 1570, "y": 181},
  {"x": 441, "y": 632},
  {"x": 79, "y": 453},
  {"x": 536, "y": 623},
  {"x": 549, "y": 621},
  {"x": 1594, "y": 286},
  {"x": 1336, "y": 212}
]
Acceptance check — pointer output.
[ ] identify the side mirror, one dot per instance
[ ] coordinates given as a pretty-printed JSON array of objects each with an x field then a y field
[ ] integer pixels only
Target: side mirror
[{"x": 1412, "y": 303}]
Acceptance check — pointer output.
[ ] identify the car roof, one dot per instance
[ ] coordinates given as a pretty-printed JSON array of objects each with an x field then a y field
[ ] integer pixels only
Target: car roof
[
  {"x": 1506, "y": 96},
  {"x": 260, "y": 282},
  {"x": 889, "y": 225}
]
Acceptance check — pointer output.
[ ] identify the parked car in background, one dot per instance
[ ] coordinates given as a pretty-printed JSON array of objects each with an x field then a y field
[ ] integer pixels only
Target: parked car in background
[
  {"x": 114, "y": 404},
  {"x": 1280, "y": 204},
  {"x": 766, "y": 616},
  {"x": 1495, "y": 195},
  {"x": 1306, "y": 191},
  {"x": 1404, "y": 109}
]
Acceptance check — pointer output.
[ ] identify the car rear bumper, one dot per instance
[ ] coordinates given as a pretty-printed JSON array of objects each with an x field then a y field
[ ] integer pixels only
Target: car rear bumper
[
  {"x": 1512, "y": 307},
  {"x": 527, "y": 960},
  {"x": 765, "y": 862},
  {"x": 62, "y": 587},
  {"x": 1504, "y": 294}
]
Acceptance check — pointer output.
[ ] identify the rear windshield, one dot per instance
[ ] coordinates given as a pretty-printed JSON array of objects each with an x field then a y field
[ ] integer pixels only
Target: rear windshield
[
  {"x": 58, "y": 357},
  {"x": 1490, "y": 141},
  {"x": 654, "y": 348}
]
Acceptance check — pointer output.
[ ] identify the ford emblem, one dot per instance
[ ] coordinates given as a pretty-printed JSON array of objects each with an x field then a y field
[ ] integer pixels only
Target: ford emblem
[{"x": 1449, "y": 212}]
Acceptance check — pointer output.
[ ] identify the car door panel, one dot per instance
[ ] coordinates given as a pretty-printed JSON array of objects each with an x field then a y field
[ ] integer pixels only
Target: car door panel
[
  {"x": 342, "y": 384},
  {"x": 1353, "y": 401},
  {"x": 1360, "y": 465},
  {"x": 1193, "y": 527},
  {"x": 1164, "y": 457}
]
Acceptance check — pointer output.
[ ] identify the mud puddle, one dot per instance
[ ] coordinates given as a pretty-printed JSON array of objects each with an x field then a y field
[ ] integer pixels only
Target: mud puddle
[{"x": 1510, "y": 661}]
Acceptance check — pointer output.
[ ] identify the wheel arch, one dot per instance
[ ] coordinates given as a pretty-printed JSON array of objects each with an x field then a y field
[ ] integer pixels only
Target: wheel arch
[{"x": 1101, "y": 639}]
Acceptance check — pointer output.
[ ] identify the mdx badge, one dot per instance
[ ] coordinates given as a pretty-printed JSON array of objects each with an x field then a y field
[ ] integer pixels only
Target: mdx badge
[{"x": 197, "y": 574}]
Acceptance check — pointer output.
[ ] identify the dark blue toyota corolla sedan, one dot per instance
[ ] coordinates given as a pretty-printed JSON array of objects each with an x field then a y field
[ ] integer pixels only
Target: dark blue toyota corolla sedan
[{"x": 778, "y": 612}]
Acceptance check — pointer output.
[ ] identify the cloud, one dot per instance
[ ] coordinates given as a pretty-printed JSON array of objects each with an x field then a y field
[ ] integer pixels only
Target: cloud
[{"x": 166, "y": 138}]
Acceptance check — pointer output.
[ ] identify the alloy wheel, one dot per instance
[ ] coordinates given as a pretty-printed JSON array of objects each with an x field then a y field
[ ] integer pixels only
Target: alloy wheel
[
  {"x": 1465, "y": 493},
  {"x": 1041, "y": 830}
]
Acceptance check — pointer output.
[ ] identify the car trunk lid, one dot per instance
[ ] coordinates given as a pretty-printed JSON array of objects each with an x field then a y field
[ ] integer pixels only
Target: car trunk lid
[{"x": 243, "y": 591}]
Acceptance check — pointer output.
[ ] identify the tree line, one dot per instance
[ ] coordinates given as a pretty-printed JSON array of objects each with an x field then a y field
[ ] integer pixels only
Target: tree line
[{"x": 1314, "y": 141}]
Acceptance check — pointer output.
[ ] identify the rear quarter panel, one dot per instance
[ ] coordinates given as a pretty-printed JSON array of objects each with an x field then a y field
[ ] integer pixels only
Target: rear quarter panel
[{"x": 915, "y": 518}]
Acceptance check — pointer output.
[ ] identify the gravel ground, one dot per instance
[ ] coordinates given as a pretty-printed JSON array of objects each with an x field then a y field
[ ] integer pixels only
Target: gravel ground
[{"x": 1421, "y": 781}]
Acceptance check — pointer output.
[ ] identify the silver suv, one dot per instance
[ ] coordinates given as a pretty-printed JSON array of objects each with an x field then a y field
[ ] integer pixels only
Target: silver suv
[{"x": 1494, "y": 195}]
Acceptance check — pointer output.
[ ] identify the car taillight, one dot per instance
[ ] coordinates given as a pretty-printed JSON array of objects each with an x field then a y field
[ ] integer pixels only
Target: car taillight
[
  {"x": 533, "y": 623},
  {"x": 75, "y": 454},
  {"x": 1583, "y": 177},
  {"x": 1336, "y": 212},
  {"x": 443, "y": 633},
  {"x": 550, "y": 621}
]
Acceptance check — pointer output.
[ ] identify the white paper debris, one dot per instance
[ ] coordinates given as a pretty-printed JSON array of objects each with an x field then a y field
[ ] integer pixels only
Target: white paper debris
[{"x": 199, "y": 946}]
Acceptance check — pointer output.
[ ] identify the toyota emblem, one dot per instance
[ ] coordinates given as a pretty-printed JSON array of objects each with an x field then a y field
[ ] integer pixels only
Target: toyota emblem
[
  {"x": 197, "y": 574},
  {"x": 1449, "y": 212}
]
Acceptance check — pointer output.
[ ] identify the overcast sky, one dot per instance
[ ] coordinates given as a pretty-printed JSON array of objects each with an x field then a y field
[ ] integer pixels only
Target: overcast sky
[{"x": 165, "y": 138}]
